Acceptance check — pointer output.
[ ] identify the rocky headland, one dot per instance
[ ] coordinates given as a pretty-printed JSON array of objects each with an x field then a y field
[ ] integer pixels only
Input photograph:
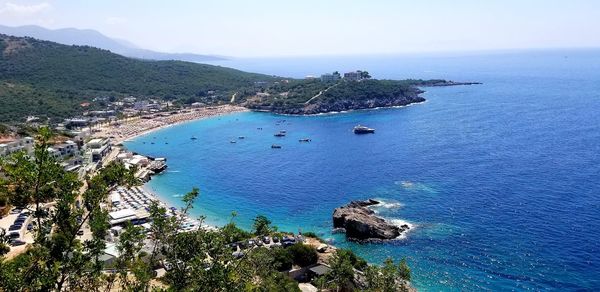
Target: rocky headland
[
  {"x": 314, "y": 97},
  {"x": 362, "y": 224}
]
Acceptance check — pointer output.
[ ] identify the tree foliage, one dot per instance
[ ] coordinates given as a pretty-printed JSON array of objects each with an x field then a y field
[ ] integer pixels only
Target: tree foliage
[
  {"x": 262, "y": 226},
  {"x": 388, "y": 278}
]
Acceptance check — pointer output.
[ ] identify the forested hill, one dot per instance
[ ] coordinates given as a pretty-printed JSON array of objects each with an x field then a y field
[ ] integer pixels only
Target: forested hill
[
  {"x": 314, "y": 96},
  {"x": 49, "y": 79}
]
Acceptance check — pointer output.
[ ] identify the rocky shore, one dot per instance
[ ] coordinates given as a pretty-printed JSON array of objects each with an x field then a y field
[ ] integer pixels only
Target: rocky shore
[{"x": 361, "y": 224}]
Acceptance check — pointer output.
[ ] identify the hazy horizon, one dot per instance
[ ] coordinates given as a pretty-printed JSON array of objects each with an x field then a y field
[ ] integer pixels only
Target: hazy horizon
[{"x": 312, "y": 28}]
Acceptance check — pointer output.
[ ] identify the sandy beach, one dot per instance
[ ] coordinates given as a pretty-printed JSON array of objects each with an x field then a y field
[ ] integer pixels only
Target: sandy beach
[{"x": 130, "y": 128}]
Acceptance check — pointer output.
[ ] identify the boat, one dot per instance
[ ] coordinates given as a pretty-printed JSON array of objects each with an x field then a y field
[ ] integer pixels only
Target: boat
[
  {"x": 193, "y": 138},
  {"x": 241, "y": 137},
  {"x": 275, "y": 146},
  {"x": 363, "y": 130},
  {"x": 232, "y": 141},
  {"x": 305, "y": 140},
  {"x": 280, "y": 134}
]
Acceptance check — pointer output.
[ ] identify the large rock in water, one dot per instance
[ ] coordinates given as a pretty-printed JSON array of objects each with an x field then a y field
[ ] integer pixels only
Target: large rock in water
[{"x": 362, "y": 224}]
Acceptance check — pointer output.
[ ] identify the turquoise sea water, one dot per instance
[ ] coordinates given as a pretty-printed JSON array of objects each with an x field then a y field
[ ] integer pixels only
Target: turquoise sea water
[{"x": 501, "y": 181}]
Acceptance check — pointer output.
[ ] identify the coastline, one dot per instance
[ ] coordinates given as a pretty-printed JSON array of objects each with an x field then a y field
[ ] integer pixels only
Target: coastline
[
  {"x": 127, "y": 130},
  {"x": 341, "y": 112}
]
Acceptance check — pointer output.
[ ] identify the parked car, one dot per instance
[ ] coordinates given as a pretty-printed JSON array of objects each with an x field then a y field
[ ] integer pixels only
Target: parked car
[
  {"x": 266, "y": 240},
  {"x": 29, "y": 227},
  {"x": 15, "y": 227},
  {"x": 275, "y": 239},
  {"x": 258, "y": 242},
  {"x": 242, "y": 244},
  {"x": 17, "y": 242},
  {"x": 80, "y": 232}
]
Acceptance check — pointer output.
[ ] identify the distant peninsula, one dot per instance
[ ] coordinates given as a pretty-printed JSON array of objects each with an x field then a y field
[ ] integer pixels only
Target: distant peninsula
[{"x": 355, "y": 90}]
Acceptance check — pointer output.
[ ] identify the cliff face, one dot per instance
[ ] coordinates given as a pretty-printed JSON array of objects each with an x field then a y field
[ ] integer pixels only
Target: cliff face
[{"x": 361, "y": 223}]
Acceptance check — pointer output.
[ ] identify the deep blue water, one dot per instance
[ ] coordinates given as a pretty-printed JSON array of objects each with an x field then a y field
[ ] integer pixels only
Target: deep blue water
[{"x": 501, "y": 180}]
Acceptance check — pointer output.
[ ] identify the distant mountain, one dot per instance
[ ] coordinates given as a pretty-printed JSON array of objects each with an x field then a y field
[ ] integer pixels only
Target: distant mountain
[
  {"x": 44, "y": 78},
  {"x": 89, "y": 37}
]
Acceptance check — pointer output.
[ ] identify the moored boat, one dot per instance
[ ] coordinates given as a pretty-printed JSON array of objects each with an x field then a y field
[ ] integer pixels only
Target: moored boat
[
  {"x": 275, "y": 146},
  {"x": 305, "y": 140},
  {"x": 363, "y": 130}
]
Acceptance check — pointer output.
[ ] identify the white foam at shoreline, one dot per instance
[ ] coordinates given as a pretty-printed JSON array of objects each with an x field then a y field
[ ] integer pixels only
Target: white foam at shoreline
[
  {"x": 388, "y": 205},
  {"x": 399, "y": 223}
]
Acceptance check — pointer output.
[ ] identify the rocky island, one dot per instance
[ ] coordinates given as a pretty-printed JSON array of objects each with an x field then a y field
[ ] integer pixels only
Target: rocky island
[{"x": 361, "y": 224}]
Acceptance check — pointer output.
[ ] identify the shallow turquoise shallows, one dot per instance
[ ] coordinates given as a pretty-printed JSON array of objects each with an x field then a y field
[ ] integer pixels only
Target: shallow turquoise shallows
[{"x": 501, "y": 181}]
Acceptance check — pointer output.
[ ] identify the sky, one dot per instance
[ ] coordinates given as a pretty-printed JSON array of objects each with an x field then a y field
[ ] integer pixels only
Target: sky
[{"x": 271, "y": 28}]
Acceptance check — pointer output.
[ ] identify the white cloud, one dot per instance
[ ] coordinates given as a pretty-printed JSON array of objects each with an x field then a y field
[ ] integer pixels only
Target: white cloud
[
  {"x": 115, "y": 20},
  {"x": 10, "y": 8}
]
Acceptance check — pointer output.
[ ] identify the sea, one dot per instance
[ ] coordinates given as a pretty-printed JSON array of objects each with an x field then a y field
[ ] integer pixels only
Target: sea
[{"x": 500, "y": 182}]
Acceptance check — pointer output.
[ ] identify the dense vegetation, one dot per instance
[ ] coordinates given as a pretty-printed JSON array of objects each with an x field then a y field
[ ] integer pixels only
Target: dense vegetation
[
  {"x": 314, "y": 96},
  {"x": 201, "y": 260},
  {"x": 49, "y": 79}
]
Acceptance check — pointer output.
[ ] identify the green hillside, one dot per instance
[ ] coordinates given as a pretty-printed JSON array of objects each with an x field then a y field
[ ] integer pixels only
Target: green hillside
[
  {"x": 314, "y": 96},
  {"x": 49, "y": 79}
]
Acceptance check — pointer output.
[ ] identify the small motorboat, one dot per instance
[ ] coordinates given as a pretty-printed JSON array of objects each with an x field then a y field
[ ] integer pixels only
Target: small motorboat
[
  {"x": 275, "y": 146},
  {"x": 193, "y": 138},
  {"x": 363, "y": 130},
  {"x": 241, "y": 137},
  {"x": 305, "y": 140},
  {"x": 233, "y": 141},
  {"x": 279, "y": 134}
]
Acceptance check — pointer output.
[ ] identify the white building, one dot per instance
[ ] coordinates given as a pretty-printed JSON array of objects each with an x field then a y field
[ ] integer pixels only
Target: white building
[
  {"x": 25, "y": 144},
  {"x": 353, "y": 76},
  {"x": 99, "y": 148},
  {"x": 330, "y": 77}
]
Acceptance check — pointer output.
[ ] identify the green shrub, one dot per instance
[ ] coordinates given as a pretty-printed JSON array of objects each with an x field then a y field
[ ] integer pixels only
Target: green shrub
[
  {"x": 282, "y": 259},
  {"x": 303, "y": 254}
]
